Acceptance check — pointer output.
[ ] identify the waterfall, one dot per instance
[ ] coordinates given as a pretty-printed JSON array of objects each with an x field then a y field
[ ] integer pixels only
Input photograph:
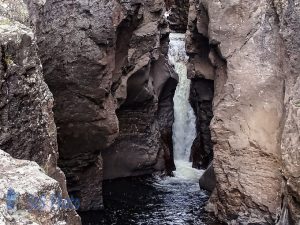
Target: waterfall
[{"x": 184, "y": 128}]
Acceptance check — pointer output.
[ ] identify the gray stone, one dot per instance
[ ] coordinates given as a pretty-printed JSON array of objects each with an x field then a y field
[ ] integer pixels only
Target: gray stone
[
  {"x": 208, "y": 179},
  {"x": 25, "y": 179}
]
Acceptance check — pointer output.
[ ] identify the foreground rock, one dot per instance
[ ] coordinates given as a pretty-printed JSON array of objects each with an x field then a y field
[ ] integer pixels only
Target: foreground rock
[
  {"x": 27, "y": 129},
  {"x": 248, "y": 105},
  {"x": 289, "y": 23},
  {"x": 22, "y": 185}
]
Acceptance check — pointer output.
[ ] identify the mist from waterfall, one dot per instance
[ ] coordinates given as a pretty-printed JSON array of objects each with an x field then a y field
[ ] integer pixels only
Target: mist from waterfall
[{"x": 184, "y": 127}]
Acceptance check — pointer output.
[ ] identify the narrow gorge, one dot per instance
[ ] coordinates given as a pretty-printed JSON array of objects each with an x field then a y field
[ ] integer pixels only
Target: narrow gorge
[{"x": 169, "y": 112}]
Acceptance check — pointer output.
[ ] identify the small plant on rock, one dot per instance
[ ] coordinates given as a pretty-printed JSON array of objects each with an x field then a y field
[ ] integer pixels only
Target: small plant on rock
[{"x": 297, "y": 103}]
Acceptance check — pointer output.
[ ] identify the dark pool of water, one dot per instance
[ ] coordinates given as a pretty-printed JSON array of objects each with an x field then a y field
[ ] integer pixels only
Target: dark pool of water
[{"x": 151, "y": 201}]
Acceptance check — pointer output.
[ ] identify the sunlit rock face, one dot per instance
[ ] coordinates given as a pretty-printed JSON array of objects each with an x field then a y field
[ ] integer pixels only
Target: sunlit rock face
[
  {"x": 251, "y": 53},
  {"x": 248, "y": 106},
  {"x": 20, "y": 182},
  {"x": 289, "y": 23}
]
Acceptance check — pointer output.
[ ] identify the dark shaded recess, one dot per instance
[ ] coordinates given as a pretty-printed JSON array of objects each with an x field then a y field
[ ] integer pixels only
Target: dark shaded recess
[
  {"x": 139, "y": 91},
  {"x": 3, "y": 58},
  {"x": 178, "y": 18},
  {"x": 201, "y": 97},
  {"x": 124, "y": 33},
  {"x": 136, "y": 151},
  {"x": 166, "y": 120}
]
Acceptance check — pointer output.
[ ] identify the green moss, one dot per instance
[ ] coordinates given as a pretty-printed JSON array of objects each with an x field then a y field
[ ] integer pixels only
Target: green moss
[
  {"x": 8, "y": 60},
  {"x": 297, "y": 103},
  {"x": 5, "y": 21}
]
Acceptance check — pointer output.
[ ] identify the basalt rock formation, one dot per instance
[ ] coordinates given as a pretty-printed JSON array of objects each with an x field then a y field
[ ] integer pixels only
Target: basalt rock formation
[
  {"x": 202, "y": 74},
  {"x": 289, "y": 28},
  {"x": 178, "y": 11},
  {"x": 201, "y": 97},
  {"x": 105, "y": 65},
  {"x": 29, "y": 196},
  {"x": 27, "y": 128},
  {"x": 252, "y": 59}
]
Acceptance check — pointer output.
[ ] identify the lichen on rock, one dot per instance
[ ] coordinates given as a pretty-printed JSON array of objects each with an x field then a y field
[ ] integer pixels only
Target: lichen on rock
[{"x": 27, "y": 195}]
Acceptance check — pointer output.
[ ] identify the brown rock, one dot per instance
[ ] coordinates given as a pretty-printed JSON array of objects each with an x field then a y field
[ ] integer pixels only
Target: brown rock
[
  {"x": 248, "y": 107},
  {"x": 289, "y": 23},
  {"x": 27, "y": 128}
]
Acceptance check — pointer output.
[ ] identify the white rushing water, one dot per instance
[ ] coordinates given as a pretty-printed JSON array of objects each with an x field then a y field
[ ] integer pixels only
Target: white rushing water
[{"x": 184, "y": 127}]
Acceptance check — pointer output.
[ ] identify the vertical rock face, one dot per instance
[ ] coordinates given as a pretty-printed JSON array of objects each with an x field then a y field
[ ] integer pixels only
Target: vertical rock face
[
  {"x": 23, "y": 182},
  {"x": 27, "y": 129},
  {"x": 76, "y": 42},
  {"x": 100, "y": 56},
  {"x": 289, "y": 22},
  {"x": 201, "y": 97},
  {"x": 139, "y": 149},
  {"x": 248, "y": 105},
  {"x": 177, "y": 14},
  {"x": 202, "y": 74}
]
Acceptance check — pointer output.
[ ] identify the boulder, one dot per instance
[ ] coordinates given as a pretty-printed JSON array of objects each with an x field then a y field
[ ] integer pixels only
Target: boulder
[
  {"x": 29, "y": 196},
  {"x": 208, "y": 179}
]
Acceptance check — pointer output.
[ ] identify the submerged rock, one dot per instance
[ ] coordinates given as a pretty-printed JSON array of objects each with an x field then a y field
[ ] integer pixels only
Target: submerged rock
[{"x": 208, "y": 179}]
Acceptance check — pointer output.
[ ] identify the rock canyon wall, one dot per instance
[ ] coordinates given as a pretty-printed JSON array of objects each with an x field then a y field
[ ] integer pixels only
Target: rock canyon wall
[
  {"x": 105, "y": 63},
  {"x": 248, "y": 49},
  {"x": 27, "y": 128}
]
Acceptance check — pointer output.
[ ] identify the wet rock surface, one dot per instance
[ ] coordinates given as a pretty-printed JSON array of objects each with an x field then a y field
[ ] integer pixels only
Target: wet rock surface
[{"x": 208, "y": 179}]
